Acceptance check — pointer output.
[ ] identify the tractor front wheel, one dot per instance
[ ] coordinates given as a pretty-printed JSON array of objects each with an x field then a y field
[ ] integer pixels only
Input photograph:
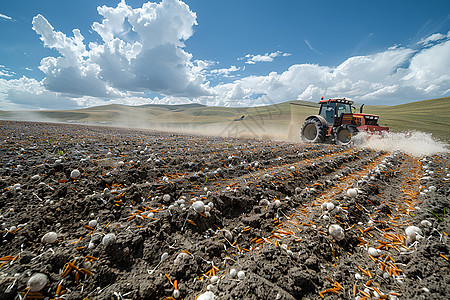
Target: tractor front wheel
[
  {"x": 313, "y": 131},
  {"x": 345, "y": 135}
]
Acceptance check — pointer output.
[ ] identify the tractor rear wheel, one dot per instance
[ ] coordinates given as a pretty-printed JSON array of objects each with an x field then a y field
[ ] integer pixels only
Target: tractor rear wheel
[
  {"x": 313, "y": 131},
  {"x": 345, "y": 135}
]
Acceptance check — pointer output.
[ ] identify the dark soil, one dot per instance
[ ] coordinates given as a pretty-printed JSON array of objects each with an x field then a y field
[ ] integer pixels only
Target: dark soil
[{"x": 264, "y": 216}]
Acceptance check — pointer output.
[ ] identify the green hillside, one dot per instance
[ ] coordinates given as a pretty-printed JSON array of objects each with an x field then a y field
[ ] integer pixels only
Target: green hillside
[
  {"x": 431, "y": 116},
  {"x": 281, "y": 120}
]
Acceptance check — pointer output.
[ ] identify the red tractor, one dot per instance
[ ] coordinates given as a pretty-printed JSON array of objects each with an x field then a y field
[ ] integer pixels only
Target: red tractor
[{"x": 337, "y": 122}]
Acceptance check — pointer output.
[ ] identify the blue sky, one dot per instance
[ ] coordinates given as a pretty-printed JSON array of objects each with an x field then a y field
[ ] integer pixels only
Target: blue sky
[{"x": 74, "y": 54}]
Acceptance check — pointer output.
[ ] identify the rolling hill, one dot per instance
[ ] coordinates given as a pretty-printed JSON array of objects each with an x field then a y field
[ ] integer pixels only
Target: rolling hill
[{"x": 278, "y": 121}]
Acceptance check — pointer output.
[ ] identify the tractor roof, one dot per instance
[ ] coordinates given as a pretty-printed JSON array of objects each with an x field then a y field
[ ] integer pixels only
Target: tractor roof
[{"x": 337, "y": 100}]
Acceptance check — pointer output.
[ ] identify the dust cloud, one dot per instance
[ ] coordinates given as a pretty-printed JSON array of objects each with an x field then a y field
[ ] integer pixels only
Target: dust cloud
[{"x": 415, "y": 143}]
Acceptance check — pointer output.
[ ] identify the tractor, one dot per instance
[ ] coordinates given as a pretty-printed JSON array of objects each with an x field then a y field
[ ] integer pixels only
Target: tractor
[{"x": 337, "y": 122}]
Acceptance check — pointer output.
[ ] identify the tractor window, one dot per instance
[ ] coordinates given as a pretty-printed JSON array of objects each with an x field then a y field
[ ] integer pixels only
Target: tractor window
[
  {"x": 343, "y": 109},
  {"x": 327, "y": 111}
]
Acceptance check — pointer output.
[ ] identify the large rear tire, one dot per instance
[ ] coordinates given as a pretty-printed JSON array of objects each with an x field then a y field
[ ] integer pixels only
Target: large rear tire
[
  {"x": 313, "y": 131},
  {"x": 345, "y": 134}
]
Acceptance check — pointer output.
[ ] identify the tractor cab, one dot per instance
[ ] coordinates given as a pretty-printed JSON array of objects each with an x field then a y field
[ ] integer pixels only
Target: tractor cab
[{"x": 333, "y": 109}]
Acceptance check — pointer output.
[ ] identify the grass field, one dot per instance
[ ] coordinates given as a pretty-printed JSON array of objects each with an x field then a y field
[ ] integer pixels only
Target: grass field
[{"x": 279, "y": 121}]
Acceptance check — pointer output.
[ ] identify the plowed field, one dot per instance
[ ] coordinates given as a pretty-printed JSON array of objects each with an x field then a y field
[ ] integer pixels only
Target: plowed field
[{"x": 179, "y": 212}]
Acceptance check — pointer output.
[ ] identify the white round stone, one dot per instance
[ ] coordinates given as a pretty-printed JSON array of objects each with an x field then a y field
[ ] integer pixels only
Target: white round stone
[
  {"x": 233, "y": 273},
  {"x": 352, "y": 192},
  {"x": 336, "y": 232},
  {"x": 374, "y": 252},
  {"x": 108, "y": 239},
  {"x": 330, "y": 206},
  {"x": 75, "y": 173},
  {"x": 49, "y": 237},
  {"x": 198, "y": 206},
  {"x": 37, "y": 282},
  {"x": 241, "y": 275},
  {"x": 206, "y": 296}
]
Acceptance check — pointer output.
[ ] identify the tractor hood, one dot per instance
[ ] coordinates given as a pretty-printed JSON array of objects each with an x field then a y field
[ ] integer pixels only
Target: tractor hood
[{"x": 363, "y": 115}]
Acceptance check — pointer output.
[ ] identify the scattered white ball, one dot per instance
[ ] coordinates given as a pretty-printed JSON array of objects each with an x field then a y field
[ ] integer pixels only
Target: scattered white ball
[
  {"x": 92, "y": 223},
  {"x": 336, "y": 232},
  {"x": 166, "y": 198},
  {"x": 352, "y": 192},
  {"x": 330, "y": 206},
  {"x": 277, "y": 203},
  {"x": 37, "y": 282},
  {"x": 206, "y": 296},
  {"x": 374, "y": 252},
  {"x": 214, "y": 279},
  {"x": 49, "y": 237},
  {"x": 233, "y": 273},
  {"x": 198, "y": 206},
  {"x": 75, "y": 173},
  {"x": 432, "y": 188},
  {"x": 108, "y": 239},
  {"x": 241, "y": 275}
]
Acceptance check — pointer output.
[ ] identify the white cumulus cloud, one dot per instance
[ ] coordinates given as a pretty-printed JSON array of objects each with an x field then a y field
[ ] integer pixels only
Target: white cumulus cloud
[
  {"x": 433, "y": 38},
  {"x": 141, "y": 50},
  {"x": 397, "y": 75},
  {"x": 27, "y": 93},
  {"x": 267, "y": 57},
  {"x": 226, "y": 72},
  {"x": 5, "y": 72}
]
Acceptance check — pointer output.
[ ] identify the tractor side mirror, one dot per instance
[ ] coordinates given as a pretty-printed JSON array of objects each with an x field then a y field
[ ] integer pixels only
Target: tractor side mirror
[
  {"x": 361, "y": 108},
  {"x": 353, "y": 109}
]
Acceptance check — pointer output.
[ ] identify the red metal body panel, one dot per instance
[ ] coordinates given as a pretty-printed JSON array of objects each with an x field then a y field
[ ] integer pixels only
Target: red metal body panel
[
  {"x": 362, "y": 115},
  {"x": 372, "y": 128}
]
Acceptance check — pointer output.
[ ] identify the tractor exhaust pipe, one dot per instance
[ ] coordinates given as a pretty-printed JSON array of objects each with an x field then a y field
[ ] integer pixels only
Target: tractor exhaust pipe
[{"x": 361, "y": 108}]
